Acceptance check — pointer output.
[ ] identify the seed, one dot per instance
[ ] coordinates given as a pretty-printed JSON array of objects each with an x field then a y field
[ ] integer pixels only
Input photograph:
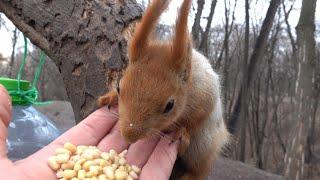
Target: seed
[
  {"x": 62, "y": 151},
  {"x": 129, "y": 178},
  {"x": 68, "y": 174},
  {"x": 89, "y": 163},
  {"x": 135, "y": 169},
  {"x": 53, "y": 163},
  {"x": 102, "y": 177},
  {"x": 109, "y": 172},
  {"x": 122, "y": 161},
  {"x": 81, "y": 174},
  {"x": 81, "y": 161},
  {"x": 59, "y": 174},
  {"x": 67, "y": 165},
  {"x": 86, "y": 165},
  {"x": 89, "y": 174},
  {"x": 62, "y": 158},
  {"x": 133, "y": 175},
  {"x": 119, "y": 174},
  {"x": 114, "y": 166},
  {"x": 77, "y": 167},
  {"x": 95, "y": 170},
  {"x": 105, "y": 155},
  {"x": 113, "y": 152},
  {"x": 128, "y": 167},
  {"x": 72, "y": 148},
  {"x": 123, "y": 153},
  {"x": 75, "y": 158},
  {"x": 116, "y": 160},
  {"x": 80, "y": 149}
]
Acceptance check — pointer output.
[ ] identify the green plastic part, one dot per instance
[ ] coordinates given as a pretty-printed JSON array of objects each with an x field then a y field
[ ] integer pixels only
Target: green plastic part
[{"x": 12, "y": 85}]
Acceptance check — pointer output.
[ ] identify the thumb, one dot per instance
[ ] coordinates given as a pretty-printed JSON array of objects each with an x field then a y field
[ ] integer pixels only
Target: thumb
[
  {"x": 161, "y": 161},
  {"x": 5, "y": 116}
]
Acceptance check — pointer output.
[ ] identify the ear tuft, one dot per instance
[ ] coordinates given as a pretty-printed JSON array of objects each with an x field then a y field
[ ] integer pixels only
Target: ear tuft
[
  {"x": 141, "y": 37},
  {"x": 182, "y": 46}
]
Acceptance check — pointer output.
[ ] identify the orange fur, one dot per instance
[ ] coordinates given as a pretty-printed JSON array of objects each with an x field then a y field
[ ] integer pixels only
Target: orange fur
[
  {"x": 143, "y": 31},
  {"x": 181, "y": 41},
  {"x": 162, "y": 72}
]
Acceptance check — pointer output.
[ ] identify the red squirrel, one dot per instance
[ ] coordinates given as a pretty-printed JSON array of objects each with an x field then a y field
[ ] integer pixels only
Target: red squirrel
[{"x": 170, "y": 87}]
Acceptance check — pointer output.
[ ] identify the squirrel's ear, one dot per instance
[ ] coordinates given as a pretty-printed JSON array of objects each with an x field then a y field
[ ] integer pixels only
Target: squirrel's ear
[
  {"x": 181, "y": 42},
  {"x": 144, "y": 29}
]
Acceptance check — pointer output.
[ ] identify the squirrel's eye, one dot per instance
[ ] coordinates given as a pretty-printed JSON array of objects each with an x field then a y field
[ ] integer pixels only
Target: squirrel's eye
[
  {"x": 118, "y": 86},
  {"x": 169, "y": 106}
]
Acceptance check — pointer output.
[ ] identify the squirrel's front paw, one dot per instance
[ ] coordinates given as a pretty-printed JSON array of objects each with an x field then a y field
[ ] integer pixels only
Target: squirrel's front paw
[
  {"x": 109, "y": 99},
  {"x": 184, "y": 137}
]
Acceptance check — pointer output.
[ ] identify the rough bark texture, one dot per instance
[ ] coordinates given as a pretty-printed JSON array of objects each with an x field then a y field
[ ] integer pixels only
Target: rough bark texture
[
  {"x": 304, "y": 100},
  {"x": 85, "y": 38},
  {"x": 249, "y": 74}
]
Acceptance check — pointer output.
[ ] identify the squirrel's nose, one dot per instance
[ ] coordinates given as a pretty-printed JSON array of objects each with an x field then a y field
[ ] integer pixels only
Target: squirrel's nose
[{"x": 131, "y": 133}]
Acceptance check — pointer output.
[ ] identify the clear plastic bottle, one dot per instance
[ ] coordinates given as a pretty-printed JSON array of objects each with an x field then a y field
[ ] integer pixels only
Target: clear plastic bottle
[{"x": 29, "y": 130}]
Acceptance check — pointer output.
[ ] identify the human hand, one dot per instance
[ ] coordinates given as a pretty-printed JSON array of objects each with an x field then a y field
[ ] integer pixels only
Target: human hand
[{"x": 155, "y": 156}]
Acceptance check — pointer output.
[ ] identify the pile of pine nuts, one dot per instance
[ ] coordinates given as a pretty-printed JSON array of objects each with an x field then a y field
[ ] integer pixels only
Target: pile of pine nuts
[{"x": 88, "y": 162}]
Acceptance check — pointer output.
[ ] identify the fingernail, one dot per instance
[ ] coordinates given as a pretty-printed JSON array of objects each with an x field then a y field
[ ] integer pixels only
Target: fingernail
[{"x": 10, "y": 103}]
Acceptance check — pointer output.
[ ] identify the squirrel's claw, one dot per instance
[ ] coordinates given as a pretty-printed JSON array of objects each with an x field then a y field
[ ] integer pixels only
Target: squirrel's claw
[{"x": 110, "y": 99}]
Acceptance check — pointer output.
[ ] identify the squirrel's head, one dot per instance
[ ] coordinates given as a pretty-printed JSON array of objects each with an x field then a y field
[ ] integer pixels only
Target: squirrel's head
[{"x": 153, "y": 90}]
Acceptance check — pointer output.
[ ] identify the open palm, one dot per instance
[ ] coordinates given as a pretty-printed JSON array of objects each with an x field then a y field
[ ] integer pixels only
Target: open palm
[{"x": 155, "y": 156}]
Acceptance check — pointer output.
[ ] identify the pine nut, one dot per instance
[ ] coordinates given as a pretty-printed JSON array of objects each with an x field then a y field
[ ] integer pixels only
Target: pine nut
[
  {"x": 89, "y": 163},
  {"x": 68, "y": 174},
  {"x": 119, "y": 174},
  {"x": 62, "y": 158},
  {"x": 133, "y": 174},
  {"x": 72, "y": 148},
  {"x": 53, "y": 163},
  {"x": 81, "y": 174},
  {"x": 62, "y": 151},
  {"x": 135, "y": 169}
]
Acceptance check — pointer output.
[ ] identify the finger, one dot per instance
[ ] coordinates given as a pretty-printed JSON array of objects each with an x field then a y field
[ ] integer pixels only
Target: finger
[
  {"x": 5, "y": 116},
  {"x": 113, "y": 140},
  {"x": 139, "y": 152},
  {"x": 161, "y": 161},
  {"x": 89, "y": 132},
  {"x": 5, "y": 106}
]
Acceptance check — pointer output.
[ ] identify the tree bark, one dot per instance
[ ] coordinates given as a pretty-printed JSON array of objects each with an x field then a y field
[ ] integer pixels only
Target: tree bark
[
  {"x": 256, "y": 56},
  {"x": 203, "y": 47},
  {"x": 196, "y": 28},
  {"x": 304, "y": 99},
  {"x": 86, "y": 39},
  {"x": 14, "y": 43},
  {"x": 244, "y": 68}
]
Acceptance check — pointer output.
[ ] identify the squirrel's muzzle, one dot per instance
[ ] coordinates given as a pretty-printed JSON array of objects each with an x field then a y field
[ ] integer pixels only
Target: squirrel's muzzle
[{"x": 131, "y": 133}]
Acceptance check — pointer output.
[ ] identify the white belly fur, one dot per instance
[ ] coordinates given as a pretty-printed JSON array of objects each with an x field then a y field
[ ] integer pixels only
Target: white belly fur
[{"x": 213, "y": 135}]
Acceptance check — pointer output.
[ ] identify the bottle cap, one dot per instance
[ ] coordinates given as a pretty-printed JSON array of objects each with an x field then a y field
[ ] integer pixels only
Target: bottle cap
[{"x": 12, "y": 86}]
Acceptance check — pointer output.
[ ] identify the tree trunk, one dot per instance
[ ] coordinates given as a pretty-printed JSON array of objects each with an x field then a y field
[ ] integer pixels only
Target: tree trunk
[
  {"x": 243, "y": 128},
  {"x": 86, "y": 39},
  {"x": 249, "y": 73},
  {"x": 203, "y": 47},
  {"x": 196, "y": 28},
  {"x": 304, "y": 99},
  {"x": 14, "y": 43}
]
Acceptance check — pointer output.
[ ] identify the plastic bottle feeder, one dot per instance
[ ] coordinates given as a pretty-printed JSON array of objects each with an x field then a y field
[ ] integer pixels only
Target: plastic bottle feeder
[{"x": 29, "y": 129}]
